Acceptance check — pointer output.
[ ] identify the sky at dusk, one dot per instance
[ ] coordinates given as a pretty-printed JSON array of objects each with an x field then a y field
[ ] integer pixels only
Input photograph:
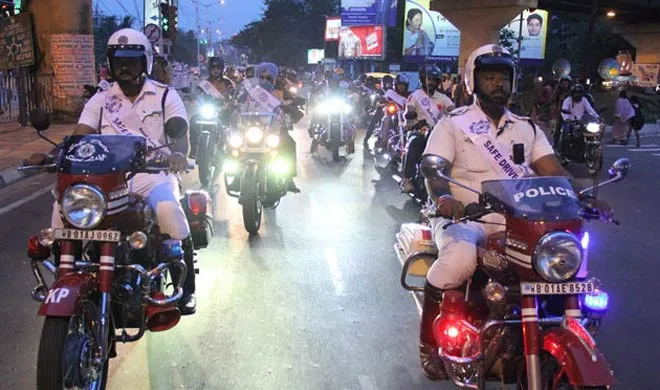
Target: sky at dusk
[{"x": 228, "y": 18}]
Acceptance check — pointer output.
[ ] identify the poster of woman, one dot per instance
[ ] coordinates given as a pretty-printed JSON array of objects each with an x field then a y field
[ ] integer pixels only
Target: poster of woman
[{"x": 428, "y": 33}]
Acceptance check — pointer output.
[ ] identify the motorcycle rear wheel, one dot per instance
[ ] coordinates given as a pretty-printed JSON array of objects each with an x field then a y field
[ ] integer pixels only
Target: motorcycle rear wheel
[{"x": 56, "y": 341}]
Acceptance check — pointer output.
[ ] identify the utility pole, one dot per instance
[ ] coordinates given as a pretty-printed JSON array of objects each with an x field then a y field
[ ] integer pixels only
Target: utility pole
[{"x": 199, "y": 65}]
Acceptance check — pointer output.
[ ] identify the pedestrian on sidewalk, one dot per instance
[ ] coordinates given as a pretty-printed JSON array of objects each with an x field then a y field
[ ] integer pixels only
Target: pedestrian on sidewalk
[
  {"x": 623, "y": 113},
  {"x": 637, "y": 122}
]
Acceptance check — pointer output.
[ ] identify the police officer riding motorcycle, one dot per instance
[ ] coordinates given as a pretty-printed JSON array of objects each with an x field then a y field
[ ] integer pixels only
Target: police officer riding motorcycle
[
  {"x": 581, "y": 133},
  {"x": 214, "y": 108},
  {"x": 425, "y": 108},
  {"x": 476, "y": 143}
]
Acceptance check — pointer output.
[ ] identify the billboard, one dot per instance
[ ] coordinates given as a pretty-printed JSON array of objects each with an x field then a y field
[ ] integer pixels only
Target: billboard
[
  {"x": 368, "y": 12},
  {"x": 332, "y": 29},
  {"x": 362, "y": 42},
  {"x": 314, "y": 56},
  {"x": 647, "y": 75},
  {"x": 534, "y": 27},
  {"x": 428, "y": 34}
]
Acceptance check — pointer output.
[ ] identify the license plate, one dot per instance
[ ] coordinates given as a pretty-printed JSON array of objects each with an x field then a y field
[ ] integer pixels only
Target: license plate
[
  {"x": 557, "y": 288},
  {"x": 89, "y": 235}
]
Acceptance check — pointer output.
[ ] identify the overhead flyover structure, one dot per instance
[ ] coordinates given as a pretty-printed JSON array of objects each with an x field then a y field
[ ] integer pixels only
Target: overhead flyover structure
[
  {"x": 638, "y": 21},
  {"x": 479, "y": 21}
]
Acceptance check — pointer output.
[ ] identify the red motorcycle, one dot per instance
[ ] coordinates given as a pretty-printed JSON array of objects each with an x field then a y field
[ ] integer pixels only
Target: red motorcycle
[
  {"x": 529, "y": 314},
  {"x": 113, "y": 269}
]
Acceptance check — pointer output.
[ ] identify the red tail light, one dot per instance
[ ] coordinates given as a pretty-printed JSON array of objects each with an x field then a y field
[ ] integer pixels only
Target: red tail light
[
  {"x": 455, "y": 335},
  {"x": 36, "y": 251},
  {"x": 392, "y": 109},
  {"x": 300, "y": 85},
  {"x": 197, "y": 202}
]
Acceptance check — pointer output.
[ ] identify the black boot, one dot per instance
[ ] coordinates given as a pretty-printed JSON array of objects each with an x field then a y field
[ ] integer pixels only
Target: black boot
[
  {"x": 432, "y": 365},
  {"x": 188, "y": 303}
]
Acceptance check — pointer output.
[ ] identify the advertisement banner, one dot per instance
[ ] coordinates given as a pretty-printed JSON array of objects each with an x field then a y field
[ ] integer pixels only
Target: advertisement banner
[
  {"x": 368, "y": 12},
  {"x": 647, "y": 75},
  {"x": 428, "y": 34},
  {"x": 332, "y": 29},
  {"x": 314, "y": 56},
  {"x": 534, "y": 26},
  {"x": 362, "y": 42}
]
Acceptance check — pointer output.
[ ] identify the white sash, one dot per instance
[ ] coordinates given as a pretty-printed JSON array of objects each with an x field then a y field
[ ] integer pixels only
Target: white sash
[
  {"x": 479, "y": 132},
  {"x": 210, "y": 89},
  {"x": 430, "y": 110},
  {"x": 398, "y": 99},
  {"x": 124, "y": 119},
  {"x": 264, "y": 98}
]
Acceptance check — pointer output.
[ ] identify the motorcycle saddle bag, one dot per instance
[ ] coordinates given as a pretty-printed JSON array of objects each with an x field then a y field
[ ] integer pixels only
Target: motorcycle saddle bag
[
  {"x": 416, "y": 237},
  {"x": 197, "y": 206}
]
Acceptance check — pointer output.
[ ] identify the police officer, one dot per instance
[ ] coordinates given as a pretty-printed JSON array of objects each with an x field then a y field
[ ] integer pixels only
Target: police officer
[
  {"x": 386, "y": 83},
  {"x": 149, "y": 109},
  {"x": 490, "y": 74},
  {"x": 428, "y": 111}
]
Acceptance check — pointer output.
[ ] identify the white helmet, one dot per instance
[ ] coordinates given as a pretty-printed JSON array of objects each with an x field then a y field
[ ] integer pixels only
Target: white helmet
[
  {"x": 491, "y": 55},
  {"x": 128, "y": 42}
]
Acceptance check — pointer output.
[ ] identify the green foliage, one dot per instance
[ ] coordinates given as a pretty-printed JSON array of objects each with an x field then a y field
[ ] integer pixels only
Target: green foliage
[
  {"x": 184, "y": 48},
  {"x": 570, "y": 37},
  {"x": 104, "y": 26},
  {"x": 288, "y": 28},
  {"x": 509, "y": 42}
]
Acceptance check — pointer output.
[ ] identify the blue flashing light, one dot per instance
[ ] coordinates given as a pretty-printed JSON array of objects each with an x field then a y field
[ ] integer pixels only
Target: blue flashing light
[
  {"x": 597, "y": 301},
  {"x": 171, "y": 249},
  {"x": 585, "y": 241}
]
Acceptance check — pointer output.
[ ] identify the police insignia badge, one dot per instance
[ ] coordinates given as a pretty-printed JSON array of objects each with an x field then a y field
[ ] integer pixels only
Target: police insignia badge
[
  {"x": 122, "y": 40},
  {"x": 481, "y": 127},
  {"x": 497, "y": 49},
  {"x": 113, "y": 104}
]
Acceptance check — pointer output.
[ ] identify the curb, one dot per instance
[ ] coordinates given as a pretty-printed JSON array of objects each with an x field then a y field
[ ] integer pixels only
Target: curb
[{"x": 11, "y": 175}]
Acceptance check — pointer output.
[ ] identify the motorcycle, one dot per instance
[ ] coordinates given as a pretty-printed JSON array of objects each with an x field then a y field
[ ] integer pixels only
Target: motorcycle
[
  {"x": 211, "y": 138},
  {"x": 529, "y": 313},
  {"x": 332, "y": 129},
  {"x": 253, "y": 170},
  {"x": 581, "y": 142},
  {"x": 419, "y": 194},
  {"x": 113, "y": 269},
  {"x": 390, "y": 145}
]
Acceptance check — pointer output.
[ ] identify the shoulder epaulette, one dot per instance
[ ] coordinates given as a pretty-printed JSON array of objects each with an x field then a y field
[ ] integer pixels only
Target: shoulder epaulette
[{"x": 459, "y": 111}]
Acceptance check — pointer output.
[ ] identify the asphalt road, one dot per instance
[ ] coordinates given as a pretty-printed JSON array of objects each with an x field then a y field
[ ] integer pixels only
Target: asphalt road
[{"x": 314, "y": 302}]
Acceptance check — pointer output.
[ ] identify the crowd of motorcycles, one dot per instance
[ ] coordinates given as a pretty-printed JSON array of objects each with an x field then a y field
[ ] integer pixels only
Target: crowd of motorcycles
[{"x": 523, "y": 318}]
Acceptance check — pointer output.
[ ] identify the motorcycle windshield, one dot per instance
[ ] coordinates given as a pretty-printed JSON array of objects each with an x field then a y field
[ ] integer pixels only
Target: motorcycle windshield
[
  {"x": 535, "y": 198},
  {"x": 99, "y": 154}
]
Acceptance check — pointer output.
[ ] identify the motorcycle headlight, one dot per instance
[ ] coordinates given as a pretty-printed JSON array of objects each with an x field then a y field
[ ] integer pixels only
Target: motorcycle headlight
[
  {"x": 235, "y": 141},
  {"x": 254, "y": 135},
  {"x": 272, "y": 140},
  {"x": 208, "y": 111},
  {"x": 293, "y": 90},
  {"x": 83, "y": 206},
  {"x": 593, "y": 127},
  {"x": 557, "y": 256},
  {"x": 322, "y": 108}
]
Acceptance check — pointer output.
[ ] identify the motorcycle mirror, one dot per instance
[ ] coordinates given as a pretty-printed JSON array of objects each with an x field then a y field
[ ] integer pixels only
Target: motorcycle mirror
[
  {"x": 40, "y": 119},
  {"x": 619, "y": 170},
  {"x": 176, "y": 128},
  {"x": 415, "y": 267}
]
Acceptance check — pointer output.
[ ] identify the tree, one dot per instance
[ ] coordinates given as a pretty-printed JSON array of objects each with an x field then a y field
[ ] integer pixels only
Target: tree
[
  {"x": 288, "y": 28},
  {"x": 104, "y": 27},
  {"x": 184, "y": 48}
]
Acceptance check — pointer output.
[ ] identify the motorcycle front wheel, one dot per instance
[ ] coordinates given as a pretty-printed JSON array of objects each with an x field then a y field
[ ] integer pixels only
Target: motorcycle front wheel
[
  {"x": 550, "y": 369},
  {"x": 66, "y": 356},
  {"x": 594, "y": 161},
  {"x": 251, "y": 201},
  {"x": 205, "y": 159}
]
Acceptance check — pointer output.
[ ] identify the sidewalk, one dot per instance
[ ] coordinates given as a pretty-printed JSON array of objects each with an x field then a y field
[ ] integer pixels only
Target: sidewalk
[{"x": 17, "y": 143}]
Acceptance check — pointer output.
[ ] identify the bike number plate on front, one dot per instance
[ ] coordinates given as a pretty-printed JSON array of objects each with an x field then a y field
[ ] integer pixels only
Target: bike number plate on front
[
  {"x": 89, "y": 235},
  {"x": 569, "y": 288}
]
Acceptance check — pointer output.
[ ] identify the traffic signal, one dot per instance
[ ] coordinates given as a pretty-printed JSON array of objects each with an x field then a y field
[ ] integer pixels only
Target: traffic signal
[
  {"x": 172, "y": 22},
  {"x": 165, "y": 19}
]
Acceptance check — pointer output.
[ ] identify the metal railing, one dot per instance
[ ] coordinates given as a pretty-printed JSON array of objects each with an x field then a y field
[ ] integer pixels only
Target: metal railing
[{"x": 21, "y": 92}]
